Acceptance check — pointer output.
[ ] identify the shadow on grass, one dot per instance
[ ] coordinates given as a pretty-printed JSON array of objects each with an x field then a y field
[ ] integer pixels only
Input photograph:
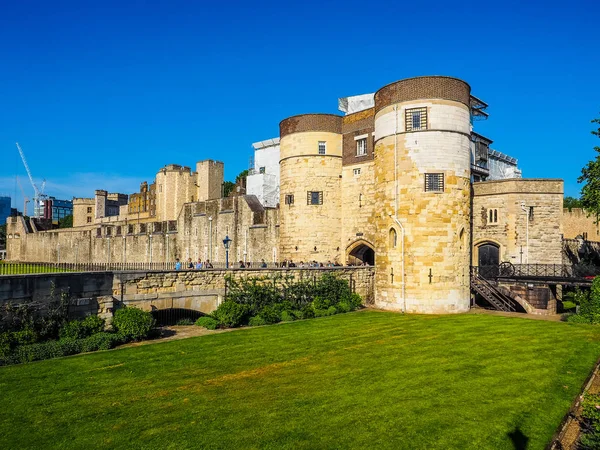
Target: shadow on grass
[{"x": 519, "y": 440}]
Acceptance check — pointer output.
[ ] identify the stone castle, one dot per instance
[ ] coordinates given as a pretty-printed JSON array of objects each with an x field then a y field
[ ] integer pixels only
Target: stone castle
[{"x": 401, "y": 181}]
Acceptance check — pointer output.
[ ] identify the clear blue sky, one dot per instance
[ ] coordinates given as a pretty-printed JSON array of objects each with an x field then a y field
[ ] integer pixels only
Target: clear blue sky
[{"x": 103, "y": 94}]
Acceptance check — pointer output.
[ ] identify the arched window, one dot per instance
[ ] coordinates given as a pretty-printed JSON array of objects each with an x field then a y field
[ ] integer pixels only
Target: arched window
[{"x": 393, "y": 238}]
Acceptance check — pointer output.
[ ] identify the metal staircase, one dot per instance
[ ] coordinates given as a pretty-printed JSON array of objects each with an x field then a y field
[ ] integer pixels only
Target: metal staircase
[{"x": 493, "y": 294}]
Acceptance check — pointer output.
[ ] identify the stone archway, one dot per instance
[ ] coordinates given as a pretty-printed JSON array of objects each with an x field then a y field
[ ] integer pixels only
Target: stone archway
[{"x": 361, "y": 252}]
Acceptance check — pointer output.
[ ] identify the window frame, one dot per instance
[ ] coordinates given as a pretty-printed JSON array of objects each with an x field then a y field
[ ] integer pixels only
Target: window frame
[
  {"x": 361, "y": 151},
  {"x": 322, "y": 148},
  {"x": 409, "y": 115},
  {"x": 492, "y": 216},
  {"x": 437, "y": 187},
  {"x": 310, "y": 196}
]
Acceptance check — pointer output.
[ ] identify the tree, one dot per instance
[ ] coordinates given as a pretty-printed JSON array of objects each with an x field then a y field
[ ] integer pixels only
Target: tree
[
  {"x": 590, "y": 175},
  {"x": 571, "y": 202},
  {"x": 3, "y": 237},
  {"x": 227, "y": 188},
  {"x": 66, "y": 222}
]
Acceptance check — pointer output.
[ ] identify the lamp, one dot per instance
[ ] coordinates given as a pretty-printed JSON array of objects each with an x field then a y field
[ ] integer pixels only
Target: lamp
[{"x": 227, "y": 243}]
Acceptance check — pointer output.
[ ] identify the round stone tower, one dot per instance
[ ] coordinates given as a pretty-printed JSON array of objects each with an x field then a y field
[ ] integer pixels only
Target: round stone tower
[
  {"x": 422, "y": 193},
  {"x": 310, "y": 188}
]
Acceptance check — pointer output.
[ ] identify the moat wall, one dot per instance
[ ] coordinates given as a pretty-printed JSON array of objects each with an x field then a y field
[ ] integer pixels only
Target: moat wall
[{"x": 101, "y": 293}]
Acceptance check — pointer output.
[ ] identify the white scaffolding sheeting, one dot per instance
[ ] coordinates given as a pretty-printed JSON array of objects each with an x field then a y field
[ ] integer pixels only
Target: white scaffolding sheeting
[
  {"x": 502, "y": 166},
  {"x": 356, "y": 103}
]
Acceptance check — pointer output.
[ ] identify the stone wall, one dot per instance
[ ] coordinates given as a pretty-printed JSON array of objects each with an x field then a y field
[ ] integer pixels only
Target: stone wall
[
  {"x": 577, "y": 222},
  {"x": 100, "y": 293},
  {"x": 529, "y": 218},
  {"x": 198, "y": 234}
]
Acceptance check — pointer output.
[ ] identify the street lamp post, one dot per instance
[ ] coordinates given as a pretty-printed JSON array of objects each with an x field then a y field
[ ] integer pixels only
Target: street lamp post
[{"x": 227, "y": 243}]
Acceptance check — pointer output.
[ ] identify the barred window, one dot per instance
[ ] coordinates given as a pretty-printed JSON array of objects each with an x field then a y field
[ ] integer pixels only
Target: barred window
[
  {"x": 434, "y": 182},
  {"x": 89, "y": 209},
  {"x": 361, "y": 147},
  {"x": 289, "y": 199},
  {"x": 493, "y": 215},
  {"x": 356, "y": 171},
  {"x": 89, "y": 220},
  {"x": 314, "y": 198},
  {"x": 322, "y": 147},
  {"x": 415, "y": 119}
]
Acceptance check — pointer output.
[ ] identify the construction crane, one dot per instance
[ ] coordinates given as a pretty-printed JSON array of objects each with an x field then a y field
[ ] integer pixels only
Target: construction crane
[
  {"x": 25, "y": 198},
  {"x": 37, "y": 194}
]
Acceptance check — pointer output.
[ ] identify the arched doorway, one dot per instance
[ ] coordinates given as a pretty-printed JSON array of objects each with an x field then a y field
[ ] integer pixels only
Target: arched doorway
[
  {"x": 361, "y": 253},
  {"x": 488, "y": 254}
]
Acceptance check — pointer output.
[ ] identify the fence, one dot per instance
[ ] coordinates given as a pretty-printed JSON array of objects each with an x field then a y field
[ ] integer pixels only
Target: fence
[
  {"x": 508, "y": 270},
  {"x": 18, "y": 268}
]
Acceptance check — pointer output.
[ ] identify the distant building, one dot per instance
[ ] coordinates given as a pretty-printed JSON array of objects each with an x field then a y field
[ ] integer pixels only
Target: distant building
[
  {"x": 263, "y": 178},
  {"x": 55, "y": 209},
  {"x": 4, "y": 209}
]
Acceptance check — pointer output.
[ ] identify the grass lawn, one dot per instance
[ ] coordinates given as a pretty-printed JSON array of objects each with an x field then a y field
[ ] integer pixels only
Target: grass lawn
[
  {"x": 26, "y": 268},
  {"x": 360, "y": 380}
]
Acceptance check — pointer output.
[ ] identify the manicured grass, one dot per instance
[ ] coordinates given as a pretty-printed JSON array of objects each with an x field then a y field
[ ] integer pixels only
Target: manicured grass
[
  {"x": 360, "y": 380},
  {"x": 26, "y": 268}
]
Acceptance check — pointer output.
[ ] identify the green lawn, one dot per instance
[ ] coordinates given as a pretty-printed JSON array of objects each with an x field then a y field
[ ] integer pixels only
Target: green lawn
[
  {"x": 360, "y": 380},
  {"x": 27, "y": 268}
]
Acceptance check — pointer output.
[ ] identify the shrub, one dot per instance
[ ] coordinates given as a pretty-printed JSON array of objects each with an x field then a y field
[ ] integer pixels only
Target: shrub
[
  {"x": 133, "y": 323},
  {"x": 186, "y": 321},
  {"x": 288, "y": 316},
  {"x": 24, "y": 337},
  {"x": 230, "y": 314},
  {"x": 207, "y": 322},
  {"x": 101, "y": 341},
  {"x": 270, "y": 315},
  {"x": 78, "y": 329},
  {"x": 256, "y": 321},
  {"x": 344, "y": 307},
  {"x": 578, "y": 318},
  {"x": 325, "y": 312},
  {"x": 567, "y": 305},
  {"x": 321, "y": 303}
]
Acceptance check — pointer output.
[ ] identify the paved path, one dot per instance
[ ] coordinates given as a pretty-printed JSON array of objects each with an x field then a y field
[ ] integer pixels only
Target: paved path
[{"x": 549, "y": 317}]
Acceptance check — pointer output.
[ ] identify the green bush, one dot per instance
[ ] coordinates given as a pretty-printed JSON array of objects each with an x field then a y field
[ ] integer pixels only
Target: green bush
[
  {"x": 207, "y": 322},
  {"x": 270, "y": 315},
  {"x": 578, "y": 318},
  {"x": 256, "y": 321},
  {"x": 325, "y": 312},
  {"x": 288, "y": 316},
  {"x": 186, "y": 321},
  {"x": 78, "y": 329},
  {"x": 590, "y": 414},
  {"x": 567, "y": 305},
  {"x": 344, "y": 307},
  {"x": 24, "y": 337},
  {"x": 101, "y": 341},
  {"x": 133, "y": 323},
  {"x": 321, "y": 303},
  {"x": 231, "y": 314}
]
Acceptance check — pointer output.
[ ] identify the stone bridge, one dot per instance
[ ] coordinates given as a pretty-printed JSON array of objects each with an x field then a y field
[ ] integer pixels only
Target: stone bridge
[{"x": 102, "y": 292}]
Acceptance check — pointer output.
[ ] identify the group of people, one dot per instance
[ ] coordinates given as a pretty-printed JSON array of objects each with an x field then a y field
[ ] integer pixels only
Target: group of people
[
  {"x": 191, "y": 265},
  {"x": 200, "y": 265}
]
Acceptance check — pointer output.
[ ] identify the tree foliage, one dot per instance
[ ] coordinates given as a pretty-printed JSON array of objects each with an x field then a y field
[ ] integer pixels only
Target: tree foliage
[
  {"x": 590, "y": 176},
  {"x": 571, "y": 202},
  {"x": 2, "y": 236},
  {"x": 66, "y": 222}
]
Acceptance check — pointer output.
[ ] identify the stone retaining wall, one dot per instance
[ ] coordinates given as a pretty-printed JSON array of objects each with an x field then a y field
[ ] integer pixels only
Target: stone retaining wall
[{"x": 100, "y": 292}]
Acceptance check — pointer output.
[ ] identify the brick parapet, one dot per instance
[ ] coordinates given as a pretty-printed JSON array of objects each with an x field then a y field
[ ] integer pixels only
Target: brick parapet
[
  {"x": 311, "y": 122},
  {"x": 431, "y": 87}
]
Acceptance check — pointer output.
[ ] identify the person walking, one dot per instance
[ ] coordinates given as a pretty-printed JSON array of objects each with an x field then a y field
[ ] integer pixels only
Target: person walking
[
  {"x": 199, "y": 264},
  {"x": 177, "y": 264},
  {"x": 263, "y": 264}
]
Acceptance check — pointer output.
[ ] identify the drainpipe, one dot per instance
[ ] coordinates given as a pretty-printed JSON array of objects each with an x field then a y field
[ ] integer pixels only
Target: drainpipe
[
  {"x": 246, "y": 247},
  {"x": 210, "y": 238},
  {"x": 395, "y": 217},
  {"x": 524, "y": 208}
]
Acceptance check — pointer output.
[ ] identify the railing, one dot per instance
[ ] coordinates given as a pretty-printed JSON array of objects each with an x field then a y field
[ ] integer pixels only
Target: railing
[
  {"x": 508, "y": 270},
  {"x": 18, "y": 268}
]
